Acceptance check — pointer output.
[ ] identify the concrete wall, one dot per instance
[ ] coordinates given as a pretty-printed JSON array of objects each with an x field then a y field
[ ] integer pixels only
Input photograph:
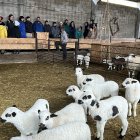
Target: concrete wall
[
  {"x": 53, "y": 10},
  {"x": 77, "y": 10},
  {"x": 127, "y": 18}
]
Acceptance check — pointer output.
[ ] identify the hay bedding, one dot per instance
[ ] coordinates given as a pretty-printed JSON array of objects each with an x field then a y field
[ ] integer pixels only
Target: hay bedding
[{"x": 23, "y": 84}]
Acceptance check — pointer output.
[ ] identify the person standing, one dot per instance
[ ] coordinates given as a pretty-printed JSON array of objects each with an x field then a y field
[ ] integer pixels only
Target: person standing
[
  {"x": 79, "y": 33},
  {"x": 3, "y": 29},
  {"x": 29, "y": 27},
  {"x": 38, "y": 26},
  {"x": 63, "y": 43},
  {"x": 72, "y": 30},
  {"x": 66, "y": 26},
  {"x": 86, "y": 30},
  {"x": 11, "y": 26},
  {"x": 55, "y": 30},
  {"x": 22, "y": 28},
  {"x": 47, "y": 27}
]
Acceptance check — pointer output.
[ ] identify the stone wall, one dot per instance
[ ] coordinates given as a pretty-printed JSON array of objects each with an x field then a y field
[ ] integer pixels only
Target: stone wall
[{"x": 77, "y": 10}]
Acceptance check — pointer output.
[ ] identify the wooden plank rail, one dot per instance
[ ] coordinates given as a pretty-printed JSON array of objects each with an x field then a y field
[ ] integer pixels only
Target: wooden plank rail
[{"x": 44, "y": 42}]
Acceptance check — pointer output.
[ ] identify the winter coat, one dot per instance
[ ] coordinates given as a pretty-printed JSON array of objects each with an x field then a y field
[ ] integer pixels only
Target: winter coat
[
  {"x": 38, "y": 26},
  {"x": 72, "y": 32},
  {"x": 79, "y": 34},
  {"x": 55, "y": 32},
  {"x": 11, "y": 28},
  {"x": 29, "y": 27},
  {"x": 47, "y": 28},
  {"x": 86, "y": 31},
  {"x": 67, "y": 28},
  {"x": 64, "y": 37},
  {"x": 3, "y": 31},
  {"x": 22, "y": 29}
]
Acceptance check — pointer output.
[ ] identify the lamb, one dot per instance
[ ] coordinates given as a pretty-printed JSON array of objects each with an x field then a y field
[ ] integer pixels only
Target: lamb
[
  {"x": 111, "y": 65},
  {"x": 87, "y": 60},
  {"x": 69, "y": 131},
  {"x": 107, "y": 109},
  {"x": 81, "y": 77},
  {"x": 120, "y": 63},
  {"x": 79, "y": 59},
  {"x": 26, "y": 122},
  {"x": 132, "y": 94},
  {"x": 100, "y": 91},
  {"x": 70, "y": 113}
]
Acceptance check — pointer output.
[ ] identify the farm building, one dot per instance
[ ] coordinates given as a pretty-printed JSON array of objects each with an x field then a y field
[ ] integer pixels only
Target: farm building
[{"x": 49, "y": 46}]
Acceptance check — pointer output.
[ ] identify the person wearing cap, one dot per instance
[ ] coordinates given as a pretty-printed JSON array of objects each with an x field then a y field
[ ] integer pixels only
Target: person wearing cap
[
  {"x": 22, "y": 27},
  {"x": 1, "y": 22},
  {"x": 29, "y": 27},
  {"x": 47, "y": 27},
  {"x": 38, "y": 26},
  {"x": 11, "y": 26}
]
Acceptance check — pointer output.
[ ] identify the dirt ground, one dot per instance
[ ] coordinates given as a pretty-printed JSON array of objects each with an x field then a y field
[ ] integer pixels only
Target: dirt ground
[{"x": 23, "y": 84}]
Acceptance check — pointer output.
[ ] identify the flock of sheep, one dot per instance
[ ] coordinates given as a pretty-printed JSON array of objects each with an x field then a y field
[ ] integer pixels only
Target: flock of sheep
[
  {"x": 70, "y": 123},
  {"x": 131, "y": 62}
]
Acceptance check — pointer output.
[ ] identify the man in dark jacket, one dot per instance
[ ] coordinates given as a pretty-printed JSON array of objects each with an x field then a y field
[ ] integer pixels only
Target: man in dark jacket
[
  {"x": 11, "y": 26},
  {"x": 47, "y": 28},
  {"x": 29, "y": 27},
  {"x": 38, "y": 26}
]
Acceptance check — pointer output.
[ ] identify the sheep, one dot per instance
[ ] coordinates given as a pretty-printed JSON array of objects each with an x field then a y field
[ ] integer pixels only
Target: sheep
[
  {"x": 26, "y": 122},
  {"x": 79, "y": 59},
  {"x": 81, "y": 77},
  {"x": 104, "y": 110},
  {"x": 133, "y": 64},
  {"x": 70, "y": 113},
  {"x": 120, "y": 63},
  {"x": 69, "y": 131},
  {"x": 132, "y": 94},
  {"x": 100, "y": 91},
  {"x": 87, "y": 60},
  {"x": 111, "y": 65}
]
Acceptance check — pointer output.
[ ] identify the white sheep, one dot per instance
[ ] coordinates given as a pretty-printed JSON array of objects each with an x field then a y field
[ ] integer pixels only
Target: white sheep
[
  {"x": 111, "y": 65},
  {"x": 107, "y": 109},
  {"x": 70, "y": 113},
  {"x": 133, "y": 64},
  {"x": 69, "y": 131},
  {"x": 79, "y": 59},
  {"x": 26, "y": 122},
  {"x": 132, "y": 94},
  {"x": 81, "y": 77},
  {"x": 87, "y": 60},
  {"x": 100, "y": 91}
]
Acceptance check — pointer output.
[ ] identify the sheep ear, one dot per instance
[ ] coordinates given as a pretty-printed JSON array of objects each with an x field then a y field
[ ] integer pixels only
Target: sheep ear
[
  {"x": 14, "y": 106},
  {"x": 53, "y": 115}
]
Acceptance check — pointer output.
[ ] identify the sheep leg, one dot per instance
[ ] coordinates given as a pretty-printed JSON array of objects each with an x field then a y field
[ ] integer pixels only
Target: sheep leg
[
  {"x": 133, "y": 74},
  {"x": 135, "y": 108},
  {"x": 129, "y": 74},
  {"x": 124, "y": 126},
  {"x": 102, "y": 126},
  {"x": 129, "y": 109},
  {"x": 98, "y": 130}
]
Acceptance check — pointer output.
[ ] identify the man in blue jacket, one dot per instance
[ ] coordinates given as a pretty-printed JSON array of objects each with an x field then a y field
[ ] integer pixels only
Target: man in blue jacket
[{"x": 38, "y": 26}]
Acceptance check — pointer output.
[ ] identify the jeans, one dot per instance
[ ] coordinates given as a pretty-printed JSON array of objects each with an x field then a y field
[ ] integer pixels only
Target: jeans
[{"x": 63, "y": 46}]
